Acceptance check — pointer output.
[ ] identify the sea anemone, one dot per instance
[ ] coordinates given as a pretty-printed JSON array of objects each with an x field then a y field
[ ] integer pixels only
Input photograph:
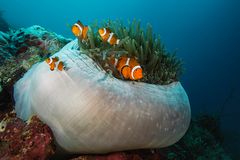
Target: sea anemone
[
  {"x": 91, "y": 111},
  {"x": 159, "y": 65}
]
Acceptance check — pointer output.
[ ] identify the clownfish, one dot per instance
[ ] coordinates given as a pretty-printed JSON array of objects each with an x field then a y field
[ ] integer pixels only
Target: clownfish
[
  {"x": 108, "y": 36},
  {"x": 79, "y": 30},
  {"x": 52, "y": 62},
  {"x": 129, "y": 68}
]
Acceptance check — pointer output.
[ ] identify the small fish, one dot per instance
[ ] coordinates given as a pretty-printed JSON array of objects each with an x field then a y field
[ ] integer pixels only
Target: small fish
[
  {"x": 60, "y": 66},
  {"x": 79, "y": 30},
  {"x": 129, "y": 68},
  {"x": 53, "y": 62},
  {"x": 108, "y": 36}
]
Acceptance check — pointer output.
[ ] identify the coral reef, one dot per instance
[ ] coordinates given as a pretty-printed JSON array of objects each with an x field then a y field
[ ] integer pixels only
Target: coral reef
[
  {"x": 24, "y": 141},
  {"x": 20, "y": 49},
  {"x": 28, "y": 41},
  {"x": 159, "y": 66}
]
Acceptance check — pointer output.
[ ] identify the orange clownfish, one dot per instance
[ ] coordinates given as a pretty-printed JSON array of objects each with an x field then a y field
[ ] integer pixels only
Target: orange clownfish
[
  {"x": 79, "y": 30},
  {"x": 52, "y": 63},
  {"x": 129, "y": 68},
  {"x": 108, "y": 36}
]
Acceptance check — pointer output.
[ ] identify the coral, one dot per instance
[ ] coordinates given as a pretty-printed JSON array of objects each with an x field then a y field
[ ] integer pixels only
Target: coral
[
  {"x": 159, "y": 66},
  {"x": 4, "y": 51},
  {"x": 38, "y": 37},
  {"x": 26, "y": 141}
]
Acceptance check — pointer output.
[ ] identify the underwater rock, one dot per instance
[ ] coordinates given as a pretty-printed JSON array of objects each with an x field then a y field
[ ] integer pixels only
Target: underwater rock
[
  {"x": 19, "y": 140},
  {"x": 90, "y": 111}
]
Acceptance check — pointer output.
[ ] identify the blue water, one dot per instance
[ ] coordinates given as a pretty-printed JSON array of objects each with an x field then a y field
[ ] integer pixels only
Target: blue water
[{"x": 205, "y": 33}]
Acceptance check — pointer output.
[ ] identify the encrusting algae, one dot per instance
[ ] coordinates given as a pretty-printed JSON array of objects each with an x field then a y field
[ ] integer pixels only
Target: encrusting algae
[{"x": 112, "y": 41}]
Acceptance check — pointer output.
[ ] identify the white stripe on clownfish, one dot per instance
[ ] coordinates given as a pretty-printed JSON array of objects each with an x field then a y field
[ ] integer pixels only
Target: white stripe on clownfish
[
  {"x": 79, "y": 27},
  {"x": 133, "y": 70},
  {"x": 127, "y": 62},
  {"x": 116, "y": 62},
  {"x": 110, "y": 37},
  {"x": 51, "y": 60},
  {"x": 127, "y": 67},
  {"x": 105, "y": 31}
]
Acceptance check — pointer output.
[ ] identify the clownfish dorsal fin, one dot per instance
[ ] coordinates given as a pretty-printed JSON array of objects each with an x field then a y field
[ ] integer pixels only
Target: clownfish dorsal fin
[
  {"x": 80, "y": 24},
  {"x": 108, "y": 30},
  {"x": 55, "y": 59}
]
